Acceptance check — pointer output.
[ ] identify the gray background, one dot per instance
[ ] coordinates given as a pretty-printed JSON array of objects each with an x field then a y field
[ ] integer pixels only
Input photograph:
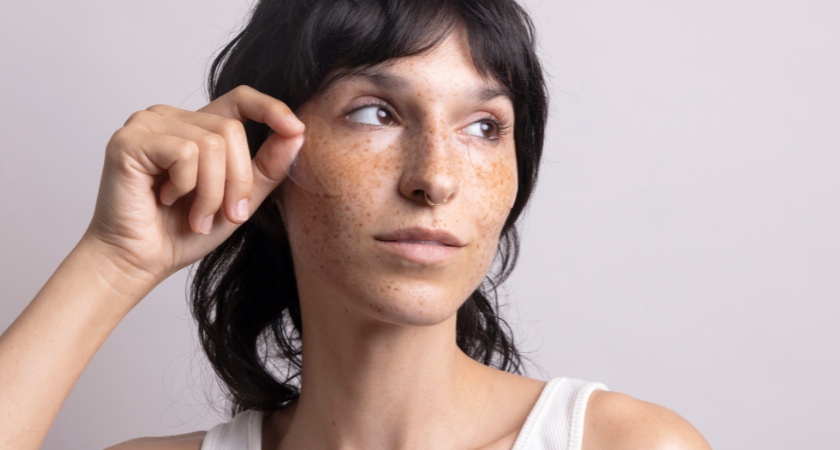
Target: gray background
[{"x": 682, "y": 246}]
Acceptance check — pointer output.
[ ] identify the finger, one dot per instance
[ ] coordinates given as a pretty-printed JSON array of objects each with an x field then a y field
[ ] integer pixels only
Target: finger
[
  {"x": 270, "y": 165},
  {"x": 159, "y": 153},
  {"x": 238, "y": 172},
  {"x": 210, "y": 184},
  {"x": 246, "y": 103}
]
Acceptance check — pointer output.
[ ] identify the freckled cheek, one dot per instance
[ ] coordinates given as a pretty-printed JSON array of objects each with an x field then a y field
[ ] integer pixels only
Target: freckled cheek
[
  {"x": 494, "y": 188},
  {"x": 354, "y": 166},
  {"x": 309, "y": 221},
  {"x": 327, "y": 229},
  {"x": 322, "y": 236}
]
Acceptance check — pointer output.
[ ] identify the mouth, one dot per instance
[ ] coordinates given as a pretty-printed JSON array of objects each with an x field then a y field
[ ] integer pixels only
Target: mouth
[
  {"x": 422, "y": 236},
  {"x": 421, "y": 245},
  {"x": 415, "y": 241}
]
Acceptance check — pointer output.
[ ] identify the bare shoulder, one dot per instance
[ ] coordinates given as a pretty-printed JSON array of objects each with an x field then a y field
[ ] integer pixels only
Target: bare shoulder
[
  {"x": 620, "y": 422},
  {"x": 191, "y": 441}
]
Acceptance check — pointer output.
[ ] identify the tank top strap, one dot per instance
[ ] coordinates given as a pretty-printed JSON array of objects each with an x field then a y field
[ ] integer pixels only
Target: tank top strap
[
  {"x": 243, "y": 432},
  {"x": 556, "y": 421}
]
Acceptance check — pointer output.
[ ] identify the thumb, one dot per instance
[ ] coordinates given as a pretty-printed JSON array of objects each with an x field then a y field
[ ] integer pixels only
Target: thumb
[{"x": 271, "y": 165}]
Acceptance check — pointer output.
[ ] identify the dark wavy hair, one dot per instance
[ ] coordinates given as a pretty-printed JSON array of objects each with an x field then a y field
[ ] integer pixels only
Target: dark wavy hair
[{"x": 244, "y": 294}]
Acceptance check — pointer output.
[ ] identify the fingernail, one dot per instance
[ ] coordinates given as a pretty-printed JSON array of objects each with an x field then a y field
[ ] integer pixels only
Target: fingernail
[
  {"x": 206, "y": 225},
  {"x": 168, "y": 201},
  {"x": 242, "y": 210},
  {"x": 293, "y": 121}
]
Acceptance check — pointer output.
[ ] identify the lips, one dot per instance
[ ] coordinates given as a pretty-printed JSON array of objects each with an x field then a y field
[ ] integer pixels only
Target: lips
[
  {"x": 415, "y": 241},
  {"x": 418, "y": 235},
  {"x": 423, "y": 246}
]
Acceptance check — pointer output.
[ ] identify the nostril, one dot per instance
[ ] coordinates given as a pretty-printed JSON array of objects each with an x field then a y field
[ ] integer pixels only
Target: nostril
[
  {"x": 431, "y": 202},
  {"x": 428, "y": 176}
]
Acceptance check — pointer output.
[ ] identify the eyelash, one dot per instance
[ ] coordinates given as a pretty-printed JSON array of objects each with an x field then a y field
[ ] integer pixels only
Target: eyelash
[
  {"x": 502, "y": 128},
  {"x": 366, "y": 104}
]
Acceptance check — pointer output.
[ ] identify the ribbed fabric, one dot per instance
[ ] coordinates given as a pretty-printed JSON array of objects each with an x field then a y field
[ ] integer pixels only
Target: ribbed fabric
[
  {"x": 244, "y": 432},
  {"x": 555, "y": 422}
]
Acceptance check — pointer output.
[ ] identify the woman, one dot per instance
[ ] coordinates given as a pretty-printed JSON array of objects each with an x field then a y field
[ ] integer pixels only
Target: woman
[{"x": 424, "y": 127}]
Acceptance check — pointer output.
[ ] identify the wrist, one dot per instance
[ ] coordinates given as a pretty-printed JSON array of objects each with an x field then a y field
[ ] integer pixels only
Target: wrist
[{"x": 127, "y": 283}]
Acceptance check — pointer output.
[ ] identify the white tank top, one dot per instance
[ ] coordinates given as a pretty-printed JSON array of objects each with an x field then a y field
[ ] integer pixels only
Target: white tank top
[{"x": 555, "y": 422}]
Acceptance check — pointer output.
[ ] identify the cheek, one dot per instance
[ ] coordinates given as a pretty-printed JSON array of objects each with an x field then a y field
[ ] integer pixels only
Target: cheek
[
  {"x": 494, "y": 186},
  {"x": 328, "y": 229},
  {"x": 344, "y": 164},
  {"x": 331, "y": 233},
  {"x": 309, "y": 219}
]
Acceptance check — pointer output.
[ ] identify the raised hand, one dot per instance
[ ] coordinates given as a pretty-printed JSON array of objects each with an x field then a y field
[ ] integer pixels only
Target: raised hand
[
  {"x": 174, "y": 186},
  {"x": 177, "y": 183}
]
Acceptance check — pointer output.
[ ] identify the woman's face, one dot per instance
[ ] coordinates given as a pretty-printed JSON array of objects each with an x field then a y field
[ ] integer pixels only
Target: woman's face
[{"x": 382, "y": 145}]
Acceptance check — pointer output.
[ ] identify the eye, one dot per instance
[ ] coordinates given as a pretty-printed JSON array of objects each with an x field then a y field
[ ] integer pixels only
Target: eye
[
  {"x": 483, "y": 129},
  {"x": 372, "y": 115}
]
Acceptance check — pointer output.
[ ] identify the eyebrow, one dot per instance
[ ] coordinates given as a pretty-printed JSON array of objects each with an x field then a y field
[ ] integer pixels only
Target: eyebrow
[
  {"x": 381, "y": 80},
  {"x": 484, "y": 94},
  {"x": 390, "y": 82}
]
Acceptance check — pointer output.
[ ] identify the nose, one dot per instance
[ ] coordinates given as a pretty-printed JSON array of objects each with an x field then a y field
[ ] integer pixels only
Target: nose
[{"x": 431, "y": 173}]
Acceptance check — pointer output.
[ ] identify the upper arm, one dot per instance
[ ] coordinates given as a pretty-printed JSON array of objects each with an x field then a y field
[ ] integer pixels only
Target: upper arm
[
  {"x": 620, "y": 422},
  {"x": 191, "y": 441}
]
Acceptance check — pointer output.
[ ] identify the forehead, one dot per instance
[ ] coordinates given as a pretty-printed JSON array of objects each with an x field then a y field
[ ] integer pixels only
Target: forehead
[{"x": 445, "y": 71}]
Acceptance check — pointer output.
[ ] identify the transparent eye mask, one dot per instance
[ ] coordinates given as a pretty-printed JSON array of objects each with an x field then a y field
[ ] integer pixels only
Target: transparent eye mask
[{"x": 328, "y": 154}]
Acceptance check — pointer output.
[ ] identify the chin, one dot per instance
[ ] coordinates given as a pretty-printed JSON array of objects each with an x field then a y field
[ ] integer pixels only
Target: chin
[{"x": 411, "y": 304}]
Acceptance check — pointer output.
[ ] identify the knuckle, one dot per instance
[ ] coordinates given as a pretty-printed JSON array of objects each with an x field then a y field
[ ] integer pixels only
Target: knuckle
[
  {"x": 244, "y": 93},
  {"x": 137, "y": 116},
  {"x": 121, "y": 137},
  {"x": 242, "y": 89},
  {"x": 281, "y": 109},
  {"x": 188, "y": 151},
  {"x": 159, "y": 109},
  {"x": 231, "y": 128},
  {"x": 212, "y": 142}
]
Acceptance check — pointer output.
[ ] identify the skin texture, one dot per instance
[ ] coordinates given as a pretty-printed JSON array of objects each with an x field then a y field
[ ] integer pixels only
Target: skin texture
[
  {"x": 379, "y": 328},
  {"x": 618, "y": 421},
  {"x": 382, "y": 366},
  {"x": 377, "y": 177}
]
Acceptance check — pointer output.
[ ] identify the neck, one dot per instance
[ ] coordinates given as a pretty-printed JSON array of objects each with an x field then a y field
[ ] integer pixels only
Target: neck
[{"x": 371, "y": 384}]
